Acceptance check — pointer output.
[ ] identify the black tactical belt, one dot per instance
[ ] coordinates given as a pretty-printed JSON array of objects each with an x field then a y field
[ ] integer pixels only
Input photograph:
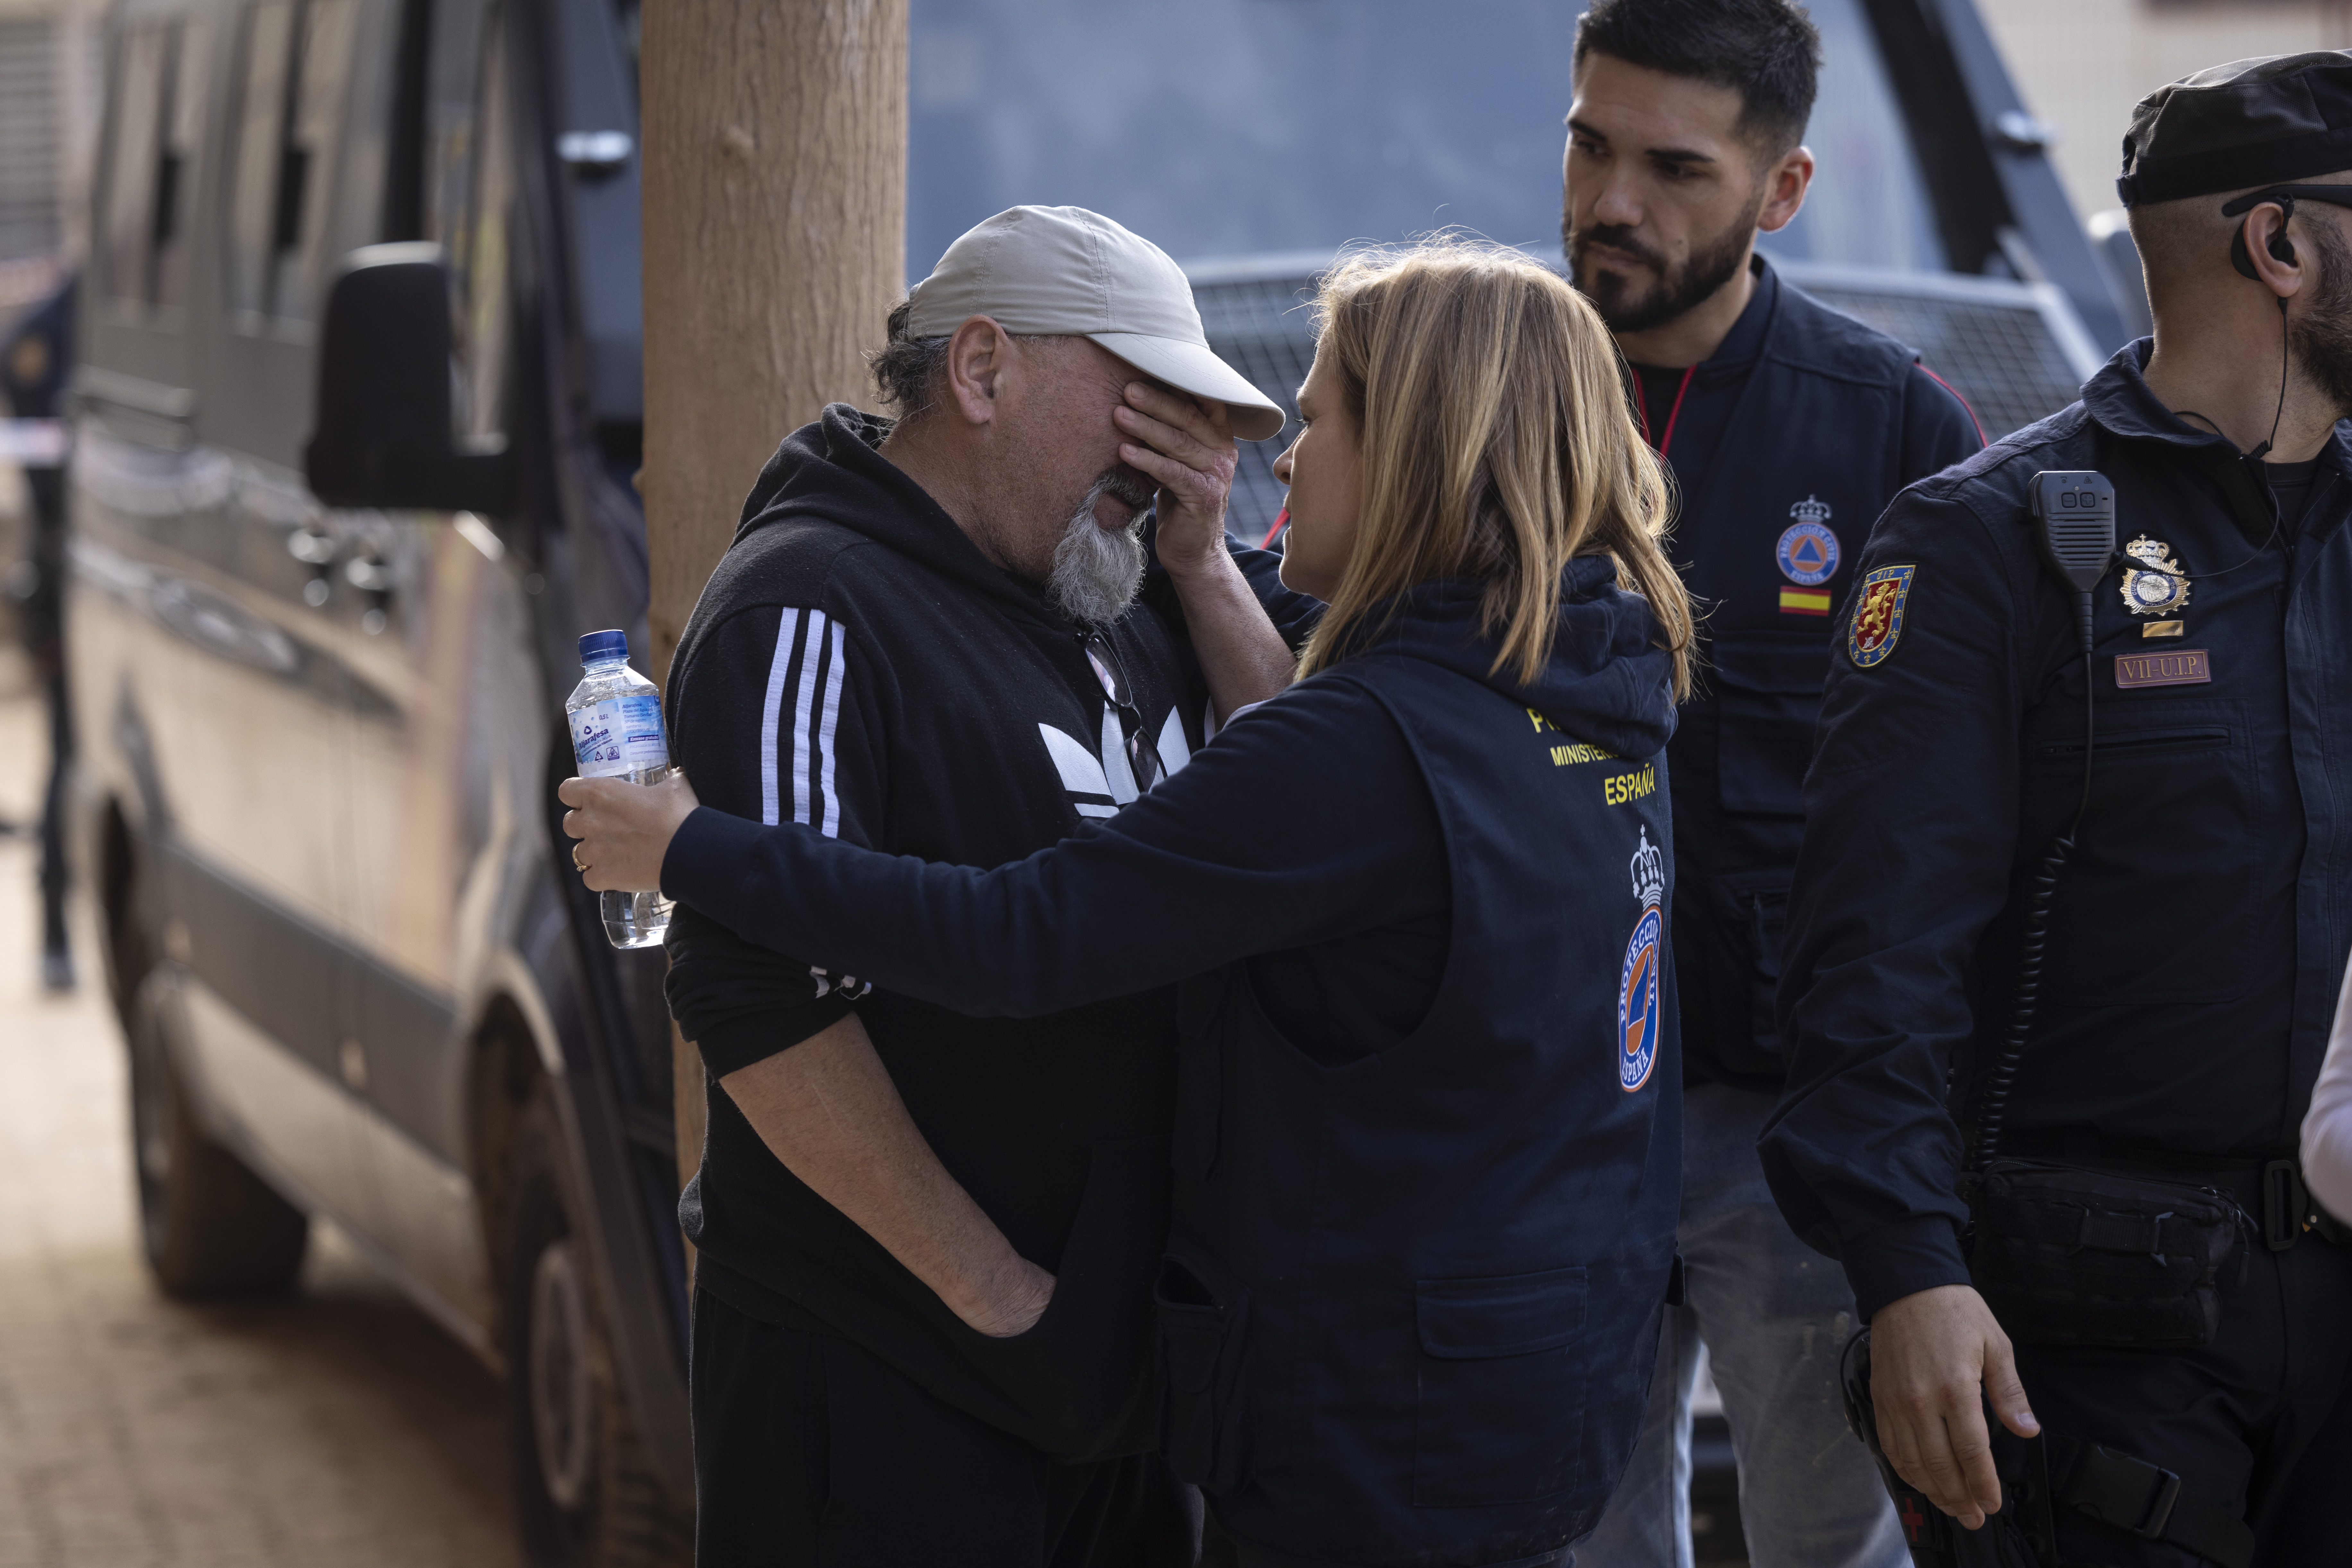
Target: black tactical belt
[
  {"x": 2146, "y": 1500},
  {"x": 2274, "y": 1197},
  {"x": 2272, "y": 1191},
  {"x": 2288, "y": 1210}
]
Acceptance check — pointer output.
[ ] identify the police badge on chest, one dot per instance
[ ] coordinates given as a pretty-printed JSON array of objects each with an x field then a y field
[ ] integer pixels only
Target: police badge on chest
[{"x": 2156, "y": 585}]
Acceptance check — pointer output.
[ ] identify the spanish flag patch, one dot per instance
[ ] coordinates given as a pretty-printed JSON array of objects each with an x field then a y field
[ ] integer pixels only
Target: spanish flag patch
[{"x": 1804, "y": 601}]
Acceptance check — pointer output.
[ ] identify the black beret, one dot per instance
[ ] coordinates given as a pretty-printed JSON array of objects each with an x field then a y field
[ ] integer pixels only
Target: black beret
[{"x": 2250, "y": 122}]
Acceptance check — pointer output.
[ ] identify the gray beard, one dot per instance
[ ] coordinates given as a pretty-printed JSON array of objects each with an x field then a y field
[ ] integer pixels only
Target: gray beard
[{"x": 1097, "y": 569}]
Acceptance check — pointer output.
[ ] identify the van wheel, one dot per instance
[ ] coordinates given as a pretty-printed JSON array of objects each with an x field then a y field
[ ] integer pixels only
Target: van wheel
[
  {"x": 587, "y": 1495},
  {"x": 208, "y": 1226}
]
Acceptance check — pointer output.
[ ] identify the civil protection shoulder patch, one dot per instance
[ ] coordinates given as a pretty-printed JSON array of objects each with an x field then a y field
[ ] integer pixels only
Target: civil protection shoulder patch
[
  {"x": 1640, "y": 1014},
  {"x": 1641, "y": 996},
  {"x": 1879, "y": 602}
]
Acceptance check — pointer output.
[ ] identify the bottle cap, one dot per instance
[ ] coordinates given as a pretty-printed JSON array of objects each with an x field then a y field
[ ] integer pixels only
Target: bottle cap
[{"x": 598, "y": 648}]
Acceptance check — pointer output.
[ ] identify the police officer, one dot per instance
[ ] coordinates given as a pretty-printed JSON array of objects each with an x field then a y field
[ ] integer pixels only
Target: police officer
[
  {"x": 2142, "y": 1280},
  {"x": 1788, "y": 427},
  {"x": 34, "y": 359}
]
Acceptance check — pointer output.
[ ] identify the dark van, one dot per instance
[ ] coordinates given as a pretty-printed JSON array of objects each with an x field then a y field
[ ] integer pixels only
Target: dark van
[
  {"x": 320, "y": 742},
  {"x": 357, "y": 409}
]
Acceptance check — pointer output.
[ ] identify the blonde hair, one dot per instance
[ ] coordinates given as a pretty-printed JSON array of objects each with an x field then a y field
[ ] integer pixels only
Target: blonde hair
[{"x": 1496, "y": 444}]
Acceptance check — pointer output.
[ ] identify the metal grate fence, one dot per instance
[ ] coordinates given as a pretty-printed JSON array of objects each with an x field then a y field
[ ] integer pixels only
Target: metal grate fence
[
  {"x": 30, "y": 153},
  {"x": 2015, "y": 351}
]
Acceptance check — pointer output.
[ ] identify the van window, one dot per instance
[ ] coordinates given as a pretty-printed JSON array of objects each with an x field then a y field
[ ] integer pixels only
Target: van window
[
  {"x": 453, "y": 85},
  {"x": 134, "y": 147},
  {"x": 1869, "y": 204},
  {"x": 294, "y": 71},
  {"x": 255, "y": 152},
  {"x": 468, "y": 197},
  {"x": 1231, "y": 128},
  {"x": 481, "y": 266},
  {"x": 182, "y": 121}
]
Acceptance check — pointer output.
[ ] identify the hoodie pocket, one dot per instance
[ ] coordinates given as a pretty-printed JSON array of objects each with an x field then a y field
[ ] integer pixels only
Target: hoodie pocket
[
  {"x": 1204, "y": 1426},
  {"x": 1502, "y": 1373},
  {"x": 1077, "y": 1384}
]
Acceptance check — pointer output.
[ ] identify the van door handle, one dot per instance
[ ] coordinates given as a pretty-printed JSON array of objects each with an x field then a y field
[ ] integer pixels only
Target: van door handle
[
  {"x": 368, "y": 575},
  {"x": 373, "y": 578},
  {"x": 316, "y": 551}
]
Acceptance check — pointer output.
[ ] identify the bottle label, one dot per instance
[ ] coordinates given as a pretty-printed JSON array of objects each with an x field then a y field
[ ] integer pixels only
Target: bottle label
[{"x": 619, "y": 736}]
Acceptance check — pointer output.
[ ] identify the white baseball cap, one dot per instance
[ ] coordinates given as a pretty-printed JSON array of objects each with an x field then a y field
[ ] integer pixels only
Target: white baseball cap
[{"x": 1067, "y": 272}]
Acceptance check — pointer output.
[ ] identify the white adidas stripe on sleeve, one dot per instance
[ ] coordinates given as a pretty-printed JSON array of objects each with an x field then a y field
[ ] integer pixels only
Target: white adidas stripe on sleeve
[
  {"x": 804, "y": 681},
  {"x": 805, "y": 676},
  {"x": 803, "y": 712},
  {"x": 788, "y": 627},
  {"x": 829, "y": 822}
]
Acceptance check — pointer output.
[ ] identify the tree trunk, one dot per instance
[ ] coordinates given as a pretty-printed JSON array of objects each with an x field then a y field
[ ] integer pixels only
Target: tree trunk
[{"x": 775, "y": 175}]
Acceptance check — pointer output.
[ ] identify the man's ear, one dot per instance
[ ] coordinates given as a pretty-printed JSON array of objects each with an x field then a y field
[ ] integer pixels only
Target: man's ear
[
  {"x": 2265, "y": 227},
  {"x": 1785, "y": 182},
  {"x": 976, "y": 366}
]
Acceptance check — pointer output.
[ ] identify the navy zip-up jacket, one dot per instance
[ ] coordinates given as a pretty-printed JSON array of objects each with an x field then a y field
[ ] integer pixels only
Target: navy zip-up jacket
[
  {"x": 2198, "y": 929},
  {"x": 1427, "y": 1139},
  {"x": 1785, "y": 446}
]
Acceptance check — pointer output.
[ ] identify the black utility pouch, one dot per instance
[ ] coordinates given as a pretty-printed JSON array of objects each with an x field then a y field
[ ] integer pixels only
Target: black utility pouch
[{"x": 2065, "y": 1256}]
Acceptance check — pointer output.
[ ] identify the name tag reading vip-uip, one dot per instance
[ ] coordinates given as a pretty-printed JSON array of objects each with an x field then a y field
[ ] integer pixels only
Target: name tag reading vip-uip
[{"x": 2178, "y": 667}]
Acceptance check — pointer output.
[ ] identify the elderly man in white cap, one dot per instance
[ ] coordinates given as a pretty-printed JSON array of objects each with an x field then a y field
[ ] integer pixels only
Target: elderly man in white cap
[{"x": 927, "y": 1241}]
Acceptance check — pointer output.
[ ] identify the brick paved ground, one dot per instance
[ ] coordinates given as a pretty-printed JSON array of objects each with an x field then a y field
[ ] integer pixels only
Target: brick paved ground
[{"x": 338, "y": 1426}]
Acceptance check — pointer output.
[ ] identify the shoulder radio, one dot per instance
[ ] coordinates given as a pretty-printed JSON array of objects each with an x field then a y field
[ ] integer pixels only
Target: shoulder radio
[{"x": 2073, "y": 514}]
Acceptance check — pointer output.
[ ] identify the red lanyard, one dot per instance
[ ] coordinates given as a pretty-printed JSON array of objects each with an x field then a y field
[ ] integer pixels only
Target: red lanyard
[{"x": 1642, "y": 404}]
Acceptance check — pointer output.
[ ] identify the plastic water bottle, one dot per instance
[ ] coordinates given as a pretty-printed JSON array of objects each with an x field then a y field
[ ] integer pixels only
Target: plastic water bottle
[{"x": 616, "y": 733}]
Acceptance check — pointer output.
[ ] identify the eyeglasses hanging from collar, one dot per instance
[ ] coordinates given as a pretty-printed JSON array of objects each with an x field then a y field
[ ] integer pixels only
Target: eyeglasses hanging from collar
[{"x": 1142, "y": 757}]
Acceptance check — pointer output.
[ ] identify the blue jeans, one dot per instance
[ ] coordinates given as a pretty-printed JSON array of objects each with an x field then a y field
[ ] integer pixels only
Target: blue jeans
[{"x": 1774, "y": 1315}]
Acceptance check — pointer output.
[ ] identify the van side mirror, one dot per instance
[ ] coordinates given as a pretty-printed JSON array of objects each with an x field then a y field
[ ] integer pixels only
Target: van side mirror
[{"x": 383, "y": 436}]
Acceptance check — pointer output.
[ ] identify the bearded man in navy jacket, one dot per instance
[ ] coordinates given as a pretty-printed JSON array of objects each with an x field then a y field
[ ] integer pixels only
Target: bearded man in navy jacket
[{"x": 1787, "y": 428}]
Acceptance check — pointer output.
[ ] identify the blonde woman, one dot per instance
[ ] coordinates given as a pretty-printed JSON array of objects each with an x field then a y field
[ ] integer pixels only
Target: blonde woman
[{"x": 1427, "y": 1144}]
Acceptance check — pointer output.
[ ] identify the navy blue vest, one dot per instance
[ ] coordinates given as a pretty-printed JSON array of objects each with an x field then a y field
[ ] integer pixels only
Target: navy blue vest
[
  {"x": 1410, "y": 1308},
  {"x": 1811, "y": 454}
]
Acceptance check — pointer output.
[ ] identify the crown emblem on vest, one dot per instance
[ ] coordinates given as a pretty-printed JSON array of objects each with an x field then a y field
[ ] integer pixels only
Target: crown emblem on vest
[
  {"x": 1810, "y": 509},
  {"x": 1649, "y": 873}
]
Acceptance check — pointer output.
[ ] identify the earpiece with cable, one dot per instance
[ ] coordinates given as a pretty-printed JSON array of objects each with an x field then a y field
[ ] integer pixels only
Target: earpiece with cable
[{"x": 2281, "y": 248}]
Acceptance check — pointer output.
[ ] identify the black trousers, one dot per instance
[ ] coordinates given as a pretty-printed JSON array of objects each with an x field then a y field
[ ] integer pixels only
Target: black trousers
[
  {"x": 810, "y": 1452},
  {"x": 2260, "y": 1421}
]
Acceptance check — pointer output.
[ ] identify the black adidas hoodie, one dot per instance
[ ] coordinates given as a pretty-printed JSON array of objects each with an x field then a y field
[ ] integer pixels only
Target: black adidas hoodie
[{"x": 856, "y": 664}]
